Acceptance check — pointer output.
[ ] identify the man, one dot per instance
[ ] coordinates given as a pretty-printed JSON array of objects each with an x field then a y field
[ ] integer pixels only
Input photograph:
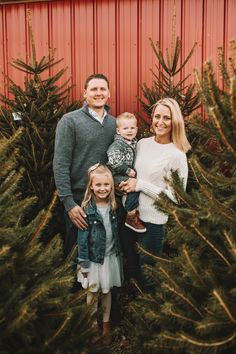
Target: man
[{"x": 82, "y": 139}]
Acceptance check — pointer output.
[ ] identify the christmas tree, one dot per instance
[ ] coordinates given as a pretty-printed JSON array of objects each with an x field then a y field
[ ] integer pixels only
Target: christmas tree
[
  {"x": 37, "y": 107},
  {"x": 193, "y": 306},
  {"x": 165, "y": 84},
  {"x": 38, "y": 312},
  {"x": 167, "y": 81}
]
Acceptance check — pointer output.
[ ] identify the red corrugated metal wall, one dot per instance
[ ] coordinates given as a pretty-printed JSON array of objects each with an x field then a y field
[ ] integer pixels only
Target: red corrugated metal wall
[{"x": 111, "y": 36}]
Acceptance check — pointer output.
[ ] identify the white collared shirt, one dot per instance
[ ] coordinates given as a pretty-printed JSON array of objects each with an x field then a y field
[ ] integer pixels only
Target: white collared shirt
[{"x": 97, "y": 116}]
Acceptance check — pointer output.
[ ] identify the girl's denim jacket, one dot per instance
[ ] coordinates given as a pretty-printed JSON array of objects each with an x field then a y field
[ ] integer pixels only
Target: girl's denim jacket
[{"x": 92, "y": 241}]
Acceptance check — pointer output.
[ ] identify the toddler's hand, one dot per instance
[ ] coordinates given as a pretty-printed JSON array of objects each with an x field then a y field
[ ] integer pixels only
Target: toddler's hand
[
  {"x": 131, "y": 173},
  {"x": 84, "y": 282}
]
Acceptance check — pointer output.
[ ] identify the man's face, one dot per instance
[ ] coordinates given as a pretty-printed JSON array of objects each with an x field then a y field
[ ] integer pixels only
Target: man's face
[{"x": 97, "y": 93}]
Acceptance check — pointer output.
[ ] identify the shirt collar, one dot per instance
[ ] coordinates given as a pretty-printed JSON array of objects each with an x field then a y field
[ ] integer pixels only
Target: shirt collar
[{"x": 96, "y": 115}]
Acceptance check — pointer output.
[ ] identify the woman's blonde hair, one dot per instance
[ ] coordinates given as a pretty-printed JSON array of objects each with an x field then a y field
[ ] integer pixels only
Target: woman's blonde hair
[
  {"x": 178, "y": 134},
  {"x": 93, "y": 171}
]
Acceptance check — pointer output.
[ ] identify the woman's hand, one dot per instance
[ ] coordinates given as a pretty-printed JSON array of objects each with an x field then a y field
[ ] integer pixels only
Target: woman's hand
[{"x": 129, "y": 185}]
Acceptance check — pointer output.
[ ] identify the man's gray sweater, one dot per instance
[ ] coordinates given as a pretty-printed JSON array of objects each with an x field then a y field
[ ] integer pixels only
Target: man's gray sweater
[{"x": 81, "y": 141}]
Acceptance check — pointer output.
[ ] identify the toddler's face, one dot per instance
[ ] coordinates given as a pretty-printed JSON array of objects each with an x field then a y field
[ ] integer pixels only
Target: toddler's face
[{"x": 127, "y": 129}]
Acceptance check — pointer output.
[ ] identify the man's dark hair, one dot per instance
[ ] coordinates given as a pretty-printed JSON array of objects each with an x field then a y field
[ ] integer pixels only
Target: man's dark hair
[{"x": 95, "y": 76}]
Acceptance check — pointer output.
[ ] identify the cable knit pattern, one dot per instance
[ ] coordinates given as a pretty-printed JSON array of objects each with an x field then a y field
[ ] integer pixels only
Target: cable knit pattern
[
  {"x": 153, "y": 164},
  {"x": 121, "y": 156}
]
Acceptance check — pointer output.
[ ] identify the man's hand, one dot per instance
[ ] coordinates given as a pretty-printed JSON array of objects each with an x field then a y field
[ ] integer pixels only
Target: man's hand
[{"x": 77, "y": 216}]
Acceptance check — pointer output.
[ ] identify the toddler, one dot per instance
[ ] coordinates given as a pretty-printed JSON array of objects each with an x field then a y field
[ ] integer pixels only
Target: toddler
[{"x": 121, "y": 156}]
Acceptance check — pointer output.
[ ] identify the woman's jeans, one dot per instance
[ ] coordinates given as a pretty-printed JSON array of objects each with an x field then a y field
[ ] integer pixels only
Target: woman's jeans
[{"x": 152, "y": 241}]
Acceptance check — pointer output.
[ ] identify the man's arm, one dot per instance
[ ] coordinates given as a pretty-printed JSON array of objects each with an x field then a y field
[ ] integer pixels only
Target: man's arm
[{"x": 64, "y": 144}]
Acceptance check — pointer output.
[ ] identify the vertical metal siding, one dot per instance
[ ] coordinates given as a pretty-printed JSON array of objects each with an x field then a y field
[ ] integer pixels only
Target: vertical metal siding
[
  {"x": 230, "y": 22},
  {"x": 2, "y": 51},
  {"x": 42, "y": 33},
  {"x": 213, "y": 29},
  {"x": 15, "y": 40},
  {"x": 83, "y": 40},
  {"x": 192, "y": 31},
  {"x": 112, "y": 37}
]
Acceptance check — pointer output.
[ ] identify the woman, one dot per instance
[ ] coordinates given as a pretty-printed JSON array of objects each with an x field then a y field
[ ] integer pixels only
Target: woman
[{"x": 156, "y": 157}]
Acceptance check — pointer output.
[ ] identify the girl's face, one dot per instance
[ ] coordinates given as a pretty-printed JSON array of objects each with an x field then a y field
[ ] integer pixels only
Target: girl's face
[
  {"x": 162, "y": 122},
  {"x": 101, "y": 187}
]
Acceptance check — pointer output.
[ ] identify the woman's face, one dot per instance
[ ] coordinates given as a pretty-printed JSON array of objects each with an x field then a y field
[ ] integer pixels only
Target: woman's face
[{"x": 162, "y": 123}]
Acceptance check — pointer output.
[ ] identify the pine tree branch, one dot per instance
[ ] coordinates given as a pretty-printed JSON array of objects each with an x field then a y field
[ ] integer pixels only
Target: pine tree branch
[
  {"x": 196, "y": 273},
  {"x": 179, "y": 294},
  {"x": 4, "y": 250},
  {"x": 209, "y": 178},
  {"x": 230, "y": 148},
  {"x": 224, "y": 306},
  {"x": 154, "y": 257},
  {"x": 221, "y": 208},
  {"x": 159, "y": 55},
  {"x": 46, "y": 216},
  {"x": 211, "y": 324},
  {"x": 59, "y": 330},
  {"x": 209, "y": 344},
  {"x": 214, "y": 248},
  {"x": 187, "y": 58},
  {"x": 230, "y": 242},
  {"x": 181, "y": 317}
]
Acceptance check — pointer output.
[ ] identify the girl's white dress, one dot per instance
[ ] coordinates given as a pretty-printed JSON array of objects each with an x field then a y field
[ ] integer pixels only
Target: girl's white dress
[{"x": 110, "y": 273}]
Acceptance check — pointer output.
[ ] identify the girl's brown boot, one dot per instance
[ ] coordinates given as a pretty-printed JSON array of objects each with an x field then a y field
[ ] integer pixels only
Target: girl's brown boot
[{"x": 106, "y": 333}]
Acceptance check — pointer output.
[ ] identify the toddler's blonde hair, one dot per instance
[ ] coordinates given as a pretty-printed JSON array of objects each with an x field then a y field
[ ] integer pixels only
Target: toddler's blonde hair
[{"x": 123, "y": 116}]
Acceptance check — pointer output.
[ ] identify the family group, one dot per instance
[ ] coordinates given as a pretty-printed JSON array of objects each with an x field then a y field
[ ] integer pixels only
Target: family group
[{"x": 108, "y": 183}]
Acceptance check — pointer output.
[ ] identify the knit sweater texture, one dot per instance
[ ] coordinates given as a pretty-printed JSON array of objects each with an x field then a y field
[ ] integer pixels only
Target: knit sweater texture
[
  {"x": 121, "y": 156},
  {"x": 81, "y": 141},
  {"x": 153, "y": 164}
]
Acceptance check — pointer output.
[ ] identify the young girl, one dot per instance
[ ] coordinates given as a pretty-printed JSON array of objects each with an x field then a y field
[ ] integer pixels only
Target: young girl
[{"x": 98, "y": 245}]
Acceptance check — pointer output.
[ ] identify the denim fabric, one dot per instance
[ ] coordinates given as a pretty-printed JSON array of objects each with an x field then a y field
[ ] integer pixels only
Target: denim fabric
[
  {"x": 152, "y": 240},
  {"x": 128, "y": 240},
  {"x": 131, "y": 201},
  {"x": 92, "y": 242}
]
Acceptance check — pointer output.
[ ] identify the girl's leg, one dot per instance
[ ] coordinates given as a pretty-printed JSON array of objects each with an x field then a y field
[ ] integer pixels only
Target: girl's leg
[
  {"x": 92, "y": 301},
  {"x": 106, "y": 306},
  {"x": 106, "y": 326}
]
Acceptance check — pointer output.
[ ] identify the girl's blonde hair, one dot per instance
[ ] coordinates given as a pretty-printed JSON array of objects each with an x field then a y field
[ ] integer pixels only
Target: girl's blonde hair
[
  {"x": 178, "y": 134},
  {"x": 93, "y": 171}
]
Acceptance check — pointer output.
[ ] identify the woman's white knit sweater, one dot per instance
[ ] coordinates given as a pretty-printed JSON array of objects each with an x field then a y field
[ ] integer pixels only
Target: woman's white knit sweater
[{"x": 153, "y": 164}]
